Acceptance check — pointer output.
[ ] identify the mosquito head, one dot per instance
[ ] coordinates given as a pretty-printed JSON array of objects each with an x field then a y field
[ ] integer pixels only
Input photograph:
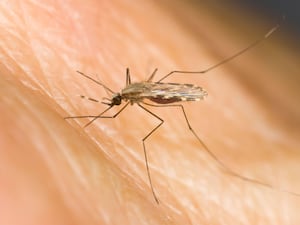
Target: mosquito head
[{"x": 115, "y": 100}]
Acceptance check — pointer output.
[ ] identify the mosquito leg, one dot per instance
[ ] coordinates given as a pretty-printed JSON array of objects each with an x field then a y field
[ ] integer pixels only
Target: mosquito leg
[
  {"x": 225, "y": 168},
  {"x": 235, "y": 55},
  {"x": 194, "y": 133},
  {"x": 79, "y": 117},
  {"x": 152, "y": 75},
  {"x": 145, "y": 152},
  {"x": 128, "y": 79},
  {"x": 98, "y": 116}
]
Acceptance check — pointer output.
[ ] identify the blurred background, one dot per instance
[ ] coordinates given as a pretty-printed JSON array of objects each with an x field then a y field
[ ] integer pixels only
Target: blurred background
[
  {"x": 291, "y": 8},
  {"x": 269, "y": 8}
]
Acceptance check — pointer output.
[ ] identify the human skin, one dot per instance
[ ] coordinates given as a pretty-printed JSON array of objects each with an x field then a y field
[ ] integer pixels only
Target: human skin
[{"x": 54, "y": 171}]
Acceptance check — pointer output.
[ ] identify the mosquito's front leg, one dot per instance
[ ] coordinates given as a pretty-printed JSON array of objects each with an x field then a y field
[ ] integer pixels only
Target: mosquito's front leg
[{"x": 98, "y": 116}]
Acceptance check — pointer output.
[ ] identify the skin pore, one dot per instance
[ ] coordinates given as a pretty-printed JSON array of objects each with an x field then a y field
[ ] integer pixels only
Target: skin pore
[{"x": 53, "y": 171}]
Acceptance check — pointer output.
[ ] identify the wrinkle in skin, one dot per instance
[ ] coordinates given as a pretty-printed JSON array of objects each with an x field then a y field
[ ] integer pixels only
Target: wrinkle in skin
[{"x": 106, "y": 182}]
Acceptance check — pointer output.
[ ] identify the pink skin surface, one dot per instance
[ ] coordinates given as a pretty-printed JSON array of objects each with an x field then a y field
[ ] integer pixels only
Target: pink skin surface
[{"x": 53, "y": 171}]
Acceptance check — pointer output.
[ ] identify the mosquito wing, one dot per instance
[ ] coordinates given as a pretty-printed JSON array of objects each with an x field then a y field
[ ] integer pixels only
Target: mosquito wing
[{"x": 165, "y": 93}]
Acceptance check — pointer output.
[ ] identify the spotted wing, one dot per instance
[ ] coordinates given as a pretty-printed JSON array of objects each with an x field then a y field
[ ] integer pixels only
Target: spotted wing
[{"x": 164, "y": 93}]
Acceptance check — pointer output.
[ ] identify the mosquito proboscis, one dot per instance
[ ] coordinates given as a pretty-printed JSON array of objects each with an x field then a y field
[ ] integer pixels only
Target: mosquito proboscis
[{"x": 165, "y": 95}]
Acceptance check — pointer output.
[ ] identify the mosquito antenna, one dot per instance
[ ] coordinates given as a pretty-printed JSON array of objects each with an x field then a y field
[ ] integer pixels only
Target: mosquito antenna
[
  {"x": 235, "y": 55},
  {"x": 97, "y": 82}
]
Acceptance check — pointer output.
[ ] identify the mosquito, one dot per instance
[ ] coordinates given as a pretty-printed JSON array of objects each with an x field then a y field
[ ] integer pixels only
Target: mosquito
[{"x": 165, "y": 95}]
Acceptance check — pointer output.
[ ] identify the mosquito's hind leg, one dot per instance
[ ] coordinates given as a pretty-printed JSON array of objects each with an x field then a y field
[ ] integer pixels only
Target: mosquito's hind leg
[{"x": 228, "y": 59}]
